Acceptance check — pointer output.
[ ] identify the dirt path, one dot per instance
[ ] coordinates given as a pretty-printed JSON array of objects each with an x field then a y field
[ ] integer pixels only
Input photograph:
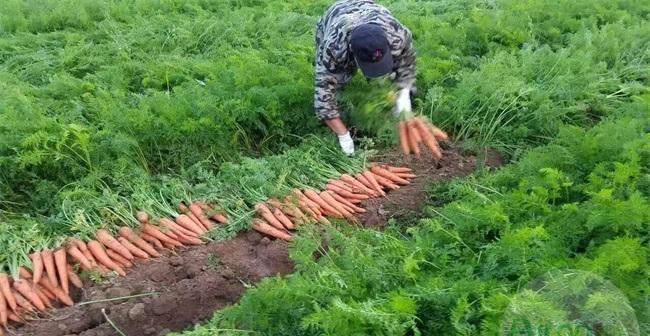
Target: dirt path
[{"x": 182, "y": 289}]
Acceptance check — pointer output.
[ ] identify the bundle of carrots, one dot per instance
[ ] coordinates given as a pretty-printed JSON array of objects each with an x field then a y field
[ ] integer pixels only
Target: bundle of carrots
[
  {"x": 415, "y": 130},
  {"x": 52, "y": 270},
  {"x": 340, "y": 200}
]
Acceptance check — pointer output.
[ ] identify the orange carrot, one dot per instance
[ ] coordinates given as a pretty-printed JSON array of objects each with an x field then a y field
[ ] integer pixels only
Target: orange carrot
[
  {"x": 361, "y": 178},
  {"x": 437, "y": 133},
  {"x": 268, "y": 216},
  {"x": 347, "y": 194},
  {"x": 118, "y": 259},
  {"x": 60, "y": 262},
  {"x": 91, "y": 259},
  {"x": 414, "y": 138},
  {"x": 79, "y": 243},
  {"x": 363, "y": 189},
  {"x": 150, "y": 239},
  {"x": 137, "y": 252},
  {"x": 3, "y": 310},
  {"x": 42, "y": 296},
  {"x": 327, "y": 197},
  {"x": 404, "y": 138},
  {"x": 198, "y": 221},
  {"x": 37, "y": 263},
  {"x": 406, "y": 175},
  {"x": 50, "y": 268},
  {"x": 428, "y": 138},
  {"x": 142, "y": 217},
  {"x": 388, "y": 175},
  {"x": 156, "y": 233},
  {"x": 219, "y": 217},
  {"x": 342, "y": 185},
  {"x": 26, "y": 290},
  {"x": 98, "y": 252},
  {"x": 176, "y": 228},
  {"x": 127, "y": 232},
  {"x": 104, "y": 237},
  {"x": 370, "y": 177},
  {"x": 347, "y": 203},
  {"x": 5, "y": 288},
  {"x": 263, "y": 227},
  {"x": 397, "y": 169},
  {"x": 23, "y": 302},
  {"x": 187, "y": 223},
  {"x": 286, "y": 222},
  {"x": 77, "y": 255},
  {"x": 386, "y": 182},
  {"x": 47, "y": 293},
  {"x": 313, "y": 196},
  {"x": 15, "y": 317},
  {"x": 24, "y": 273},
  {"x": 57, "y": 291},
  {"x": 197, "y": 211},
  {"x": 74, "y": 278},
  {"x": 189, "y": 239}
]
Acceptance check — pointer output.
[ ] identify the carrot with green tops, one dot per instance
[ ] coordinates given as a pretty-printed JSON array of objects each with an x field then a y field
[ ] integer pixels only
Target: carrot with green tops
[
  {"x": 50, "y": 268},
  {"x": 286, "y": 222},
  {"x": 107, "y": 239},
  {"x": 263, "y": 227},
  {"x": 152, "y": 241},
  {"x": 60, "y": 262},
  {"x": 343, "y": 185},
  {"x": 344, "y": 193},
  {"x": 77, "y": 255},
  {"x": 5, "y": 288},
  {"x": 79, "y": 243},
  {"x": 37, "y": 266},
  {"x": 327, "y": 197},
  {"x": 119, "y": 259},
  {"x": 347, "y": 203},
  {"x": 349, "y": 179},
  {"x": 100, "y": 254},
  {"x": 367, "y": 184},
  {"x": 219, "y": 217},
  {"x": 371, "y": 178},
  {"x": 130, "y": 235},
  {"x": 198, "y": 221},
  {"x": 176, "y": 228},
  {"x": 197, "y": 211},
  {"x": 404, "y": 138},
  {"x": 156, "y": 233},
  {"x": 57, "y": 291},
  {"x": 414, "y": 138},
  {"x": 136, "y": 251},
  {"x": 268, "y": 216},
  {"x": 142, "y": 217},
  {"x": 428, "y": 138},
  {"x": 314, "y": 197},
  {"x": 388, "y": 175},
  {"x": 187, "y": 223},
  {"x": 74, "y": 278}
]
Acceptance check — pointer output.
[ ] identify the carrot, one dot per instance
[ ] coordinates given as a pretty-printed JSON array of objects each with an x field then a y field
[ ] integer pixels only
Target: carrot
[
  {"x": 367, "y": 183},
  {"x": 347, "y": 194},
  {"x": 46, "y": 292},
  {"x": 197, "y": 211},
  {"x": 77, "y": 255},
  {"x": 156, "y": 233},
  {"x": 268, "y": 216},
  {"x": 104, "y": 237},
  {"x": 437, "y": 133},
  {"x": 60, "y": 263},
  {"x": 15, "y": 317},
  {"x": 414, "y": 138},
  {"x": 347, "y": 203},
  {"x": 119, "y": 259},
  {"x": 370, "y": 177},
  {"x": 286, "y": 222},
  {"x": 137, "y": 252},
  {"x": 386, "y": 182},
  {"x": 42, "y": 296},
  {"x": 142, "y": 217},
  {"x": 263, "y": 227},
  {"x": 24, "y": 273},
  {"x": 79, "y": 243},
  {"x": 404, "y": 138},
  {"x": 3, "y": 310},
  {"x": 397, "y": 169},
  {"x": 50, "y": 268},
  {"x": 187, "y": 223},
  {"x": 189, "y": 239},
  {"x": 91, "y": 259},
  {"x": 5, "y": 288},
  {"x": 325, "y": 196},
  {"x": 290, "y": 209},
  {"x": 219, "y": 217},
  {"x": 37, "y": 265},
  {"x": 428, "y": 138},
  {"x": 197, "y": 220},
  {"x": 150, "y": 239},
  {"x": 74, "y": 278},
  {"x": 313, "y": 196},
  {"x": 127, "y": 232},
  {"x": 23, "y": 302},
  {"x": 57, "y": 291},
  {"x": 176, "y": 228},
  {"x": 342, "y": 185},
  {"x": 406, "y": 175},
  {"x": 24, "y": 288},
  {"x": 349, "y": 179},
  {"x": 98, "y": 252},
  {"x": 388, "y": 175}
]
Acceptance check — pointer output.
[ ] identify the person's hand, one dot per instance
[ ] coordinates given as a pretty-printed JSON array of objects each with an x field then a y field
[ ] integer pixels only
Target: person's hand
[
  {"x": 403, "y": 102},
  {"x": 347, "y": 145}
]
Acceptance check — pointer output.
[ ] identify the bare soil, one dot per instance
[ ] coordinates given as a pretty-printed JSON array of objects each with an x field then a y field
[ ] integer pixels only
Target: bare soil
[{"x": 184, "y": 288}]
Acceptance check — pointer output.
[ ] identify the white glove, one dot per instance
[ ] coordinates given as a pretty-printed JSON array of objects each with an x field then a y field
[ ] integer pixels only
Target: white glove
[
  {"x": 403, "y": 103},
  {"x": 347, "y": 145}
]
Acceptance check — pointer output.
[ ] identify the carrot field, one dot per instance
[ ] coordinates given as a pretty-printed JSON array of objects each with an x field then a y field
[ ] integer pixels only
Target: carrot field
[{"x": 162, "y": 172}]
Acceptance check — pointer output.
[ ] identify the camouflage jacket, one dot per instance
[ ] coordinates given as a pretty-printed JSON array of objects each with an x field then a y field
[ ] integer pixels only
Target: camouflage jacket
[{"x": 335, "y": 65}]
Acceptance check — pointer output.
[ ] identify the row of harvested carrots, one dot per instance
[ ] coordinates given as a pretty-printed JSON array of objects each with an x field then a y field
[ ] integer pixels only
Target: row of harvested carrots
[
  {"x": 340, "y": 200},
  {"x": 52, "y": 273},
  {"x": 52, "y": 270}
]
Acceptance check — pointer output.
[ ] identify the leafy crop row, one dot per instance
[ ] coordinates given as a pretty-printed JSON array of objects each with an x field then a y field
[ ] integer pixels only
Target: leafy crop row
[{"x": 581, "y": 202}]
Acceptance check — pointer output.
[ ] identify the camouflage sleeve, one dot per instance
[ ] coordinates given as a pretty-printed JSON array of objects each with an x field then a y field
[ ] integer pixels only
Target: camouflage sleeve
[
  {"x": 327, "y": 85},
  {"x": 405, "y": 62}
]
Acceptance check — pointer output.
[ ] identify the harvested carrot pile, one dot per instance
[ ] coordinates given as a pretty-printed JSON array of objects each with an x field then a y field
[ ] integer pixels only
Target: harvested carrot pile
[
  {"x": 415, "y": 130},
  {"x": 339, "y": 200}
]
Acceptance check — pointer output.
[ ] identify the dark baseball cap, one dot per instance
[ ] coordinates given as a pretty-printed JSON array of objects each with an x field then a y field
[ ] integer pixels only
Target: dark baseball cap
[{"x": 371, "y": 50}]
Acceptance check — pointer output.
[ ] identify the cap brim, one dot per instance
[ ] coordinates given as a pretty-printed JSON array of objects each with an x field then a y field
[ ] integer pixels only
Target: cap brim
[{"x": 377, "y": 69}]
